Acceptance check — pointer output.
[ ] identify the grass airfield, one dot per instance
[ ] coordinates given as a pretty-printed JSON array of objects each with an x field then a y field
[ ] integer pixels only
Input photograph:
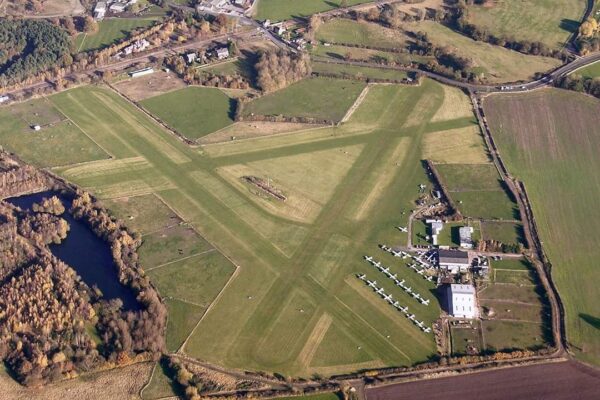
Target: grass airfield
[{"x": 256, "y": 285}]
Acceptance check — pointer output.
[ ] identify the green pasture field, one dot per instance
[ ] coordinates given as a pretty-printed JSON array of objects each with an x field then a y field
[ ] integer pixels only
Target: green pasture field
[
  {"x": 503, "y": 232},
  {"x": 194, "y": 112},
  {"x": 308, "y": 99},
  {"x": 347, "y": 31},
  {"x": 59, "y": 142},
  {"x": 183, "y": 317},
  {"x": 469, "y": 177},
  {"x": 512, "y": 264},
  {"x": 521, "y": 294},
  {"x": 486, "y": 205},
  {"x": 456, "y": 146},
  {"x": 556, "y": 157},
  {"x": 278, "y": 10},
  {"x": 146, "y": 213},
  {"x": 178, "y": 280},
  {"x": 168, "y": 245},
  {"x": 161, "y": 385},
  {"x": 337, "y": 52},
  {"x": 496, "y": 63},
  {"x": 240, "y": 66},
  {"x": 359, "y": 72},
  {"x": 505, "y": 335},
  {"x": 110, "y": 31},
  {"x": 516, "y": 277},
  {"x": 591, "y": 71},
  {"x": 462, "y": 337},
  {"x": 294, "y": 280},
  {"x": 549, "y": 21}
]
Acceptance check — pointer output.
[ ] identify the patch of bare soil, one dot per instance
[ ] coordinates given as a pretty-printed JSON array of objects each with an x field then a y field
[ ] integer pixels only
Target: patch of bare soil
[
  {"x": 555, "y": 381},
  {"x": 151, "y": 85},
  {"x": 117, "y": 384}
]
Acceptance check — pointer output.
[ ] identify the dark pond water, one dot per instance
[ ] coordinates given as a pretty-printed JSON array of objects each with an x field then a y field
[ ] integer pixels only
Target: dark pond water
[{"x": 86, "y": 253}]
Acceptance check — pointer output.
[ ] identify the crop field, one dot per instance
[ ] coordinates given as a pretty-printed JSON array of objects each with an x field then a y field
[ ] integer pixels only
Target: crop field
[
  {"x": 496, "y": 63},
  {"x": 548, "y": 21},
  {"x": 278, "y": 10},
  {"x": 194, "y": 111},
  {"x": 257, "y": 285},
  {"x": 358, "y": 72},
  {"x": 556, "y": 157},
  {"x": 110, "y": 31},
  {"x": 551, "y": 381},
  {"x": 347, "y": 31},
  {"x": 308, "y": 99}
]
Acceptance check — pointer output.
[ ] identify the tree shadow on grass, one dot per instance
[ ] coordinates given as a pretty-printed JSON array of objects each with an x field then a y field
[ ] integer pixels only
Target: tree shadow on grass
[
  {"x": 593, "y": 321},
  {"x": 233, "y": 104},
  {"x": 569, "y": 25}
]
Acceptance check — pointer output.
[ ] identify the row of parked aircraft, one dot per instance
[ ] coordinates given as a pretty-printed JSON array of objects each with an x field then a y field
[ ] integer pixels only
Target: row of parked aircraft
[
  {"x": 394, "y": 303},
  {"x": 404, "y": 255},
  {"x": 394, "y": 277}
]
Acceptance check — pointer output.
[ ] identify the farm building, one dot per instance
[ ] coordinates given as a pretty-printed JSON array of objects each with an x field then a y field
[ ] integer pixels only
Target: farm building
[
  {"x": 222, "y": 53},
  {"x": 462, "y": 302},
  {"x": 141, "y": 72},
  {"x": 190, "y": 58},
  {"x": 100, "y": 10},
  {"x": 453, "y": 261},
  {"x": 436, "y": 227},
  {"x": 465, "y": 233},
  {"x": 118, "y": 7}
]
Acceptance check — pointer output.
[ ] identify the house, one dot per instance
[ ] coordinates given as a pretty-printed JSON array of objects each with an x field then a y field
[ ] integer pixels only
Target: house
[
  {"x": 222, "y": 53},
  {"x": 141, "y": 72},
  {"x": 4, "y": 99},
  {"x": 436, "y": 227},
  {"x": 36, "y": 127},
  {"x": 99, "y": 10},
  {"x": 453, "y": 261},
  {"x": 190, "y": 58},
  {"x": 462, "y": 301},
  {"x": 465, "y": 233}
]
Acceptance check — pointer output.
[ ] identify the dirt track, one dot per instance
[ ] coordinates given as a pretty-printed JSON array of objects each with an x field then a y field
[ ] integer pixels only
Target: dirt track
[{"x": 555, "y": 381}]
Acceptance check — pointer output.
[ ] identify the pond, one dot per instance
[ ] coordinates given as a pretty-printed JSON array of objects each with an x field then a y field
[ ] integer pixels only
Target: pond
[{"x": 86, "y": 253}]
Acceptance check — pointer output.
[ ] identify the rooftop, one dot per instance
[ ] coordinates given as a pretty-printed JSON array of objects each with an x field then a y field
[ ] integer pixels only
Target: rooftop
[
  {"x": 453, "y": 255},
  {"x": 462, "y": 289}
]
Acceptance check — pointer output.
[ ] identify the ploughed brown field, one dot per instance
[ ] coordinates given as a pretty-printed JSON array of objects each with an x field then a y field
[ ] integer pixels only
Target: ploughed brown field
[{"x": 555, "y": 381}]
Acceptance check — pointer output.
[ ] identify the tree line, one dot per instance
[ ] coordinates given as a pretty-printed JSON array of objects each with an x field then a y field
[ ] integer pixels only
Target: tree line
[{"x": 581, "y": 84}]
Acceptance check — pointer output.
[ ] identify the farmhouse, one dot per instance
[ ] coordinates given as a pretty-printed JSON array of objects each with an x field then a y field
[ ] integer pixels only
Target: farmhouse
[
  {"x": 465, "y": 234},
  {"x": 453, "y": 261},
  {"x": 462, "y": 301},
  {"x": 222, "y": 53}
]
